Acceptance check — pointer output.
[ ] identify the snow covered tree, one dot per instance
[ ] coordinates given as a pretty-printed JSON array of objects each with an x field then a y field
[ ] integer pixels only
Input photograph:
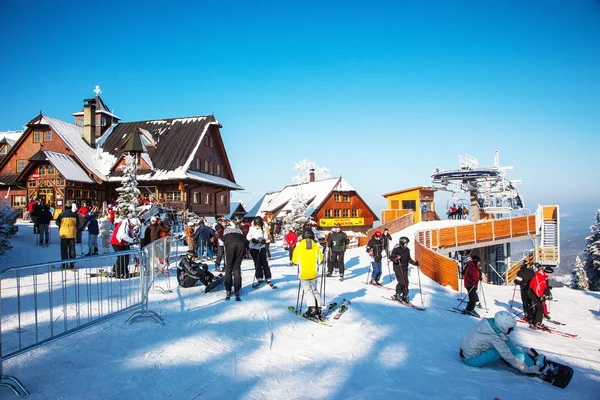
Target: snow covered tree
[
  {"x": 296, "y": 219},
  {"x": 592, "y": 251},
  {"x": 128, "y": 192},
  {"x": 304, "y": 167},
  {"x": 579, "y": 279},
  {"x": 7, "y": 225}
]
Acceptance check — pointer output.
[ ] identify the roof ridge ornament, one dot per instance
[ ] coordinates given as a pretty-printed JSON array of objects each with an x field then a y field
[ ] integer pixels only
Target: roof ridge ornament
[{"x": 97, "y": 90}]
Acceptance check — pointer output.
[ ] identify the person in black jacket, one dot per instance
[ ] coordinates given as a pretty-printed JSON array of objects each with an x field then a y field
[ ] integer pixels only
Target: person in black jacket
[
  {"x": 91, "y": 223},
  {"x": 401, "y": 258},
  {"x": 386, "y": 239},
  {"x": 524, "y": 277},
  {"x": 337, "y": 242},
  {"x": 375, "y": 250},
  {"x": 44, "y": 216},
  {"x": 234, "y": 242},
  {"x": 37, "y": 209}
]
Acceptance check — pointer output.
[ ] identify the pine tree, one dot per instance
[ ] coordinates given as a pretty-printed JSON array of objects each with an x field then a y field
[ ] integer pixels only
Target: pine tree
[
  {"x": 128, "y": 192},
  {"x": 592, "y": 252},
  {"x": 304, "y": 167},
  {"x": 8, "y": 218},
  {"x": 296, "y": 219},
  {"x": 579, "y": 280}
]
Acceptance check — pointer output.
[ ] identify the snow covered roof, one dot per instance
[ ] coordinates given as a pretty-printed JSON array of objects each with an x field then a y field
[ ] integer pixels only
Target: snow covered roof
[
  {"x": 11, "y": 136},
  {"x": 96, "y": 160},
  {"x": 101, "y": 108},
  {"x": 68, "y": 167},
  {"x": 314, "y": 192},
  {"x": 217, "y": 180}
]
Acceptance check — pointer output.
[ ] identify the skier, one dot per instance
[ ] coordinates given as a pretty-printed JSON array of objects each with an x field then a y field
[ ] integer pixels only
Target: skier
[
  {"x": 375, "y": 250},
  {"x": 93, "y": 230},
  {"x": 105, "y": 228},
  {"x": 488, "y": 342},
  {"x": 154, "y": 230},
  {"x": 539, "y": 292},
  {"x": 337, "y": 242},
  {"x": 43, "y": 219},
  {"x": 122, "y": 238},
  {"x": 234, "y": 242},
  {"x": 291, "y": 240},
  {"x": 524, "y": 276},
  {"x": 36, "y": 209},
  {"x": 307, "y": 255},
  {"x": 67, "y": 230},
  {"x": 401, "y": 258},
  {"x": 386, "y": 239},
  {"x": 203, "y": 235},
  {"x": 472, "y": 276},
  {"x": 257, "y": 236},
  {"x": 189, "y": 271}
]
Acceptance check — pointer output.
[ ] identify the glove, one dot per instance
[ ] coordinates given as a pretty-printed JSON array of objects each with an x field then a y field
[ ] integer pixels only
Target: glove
[
  {"x": 254, "y": 241},
  {"x": 416, "y": 263}
]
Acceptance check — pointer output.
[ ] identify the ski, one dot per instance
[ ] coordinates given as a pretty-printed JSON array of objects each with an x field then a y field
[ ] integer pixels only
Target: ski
[
  {"x": 257, "y": 284},
  {"x": 331, "y": 307},
  {"x": 292, "y": 309},
  {"x": 556, "y": 332},
  {"x": 552, "y": 321},
  {"x": 342, "y": 309},
  {"x": 409, "y": 305},
  {"x": 455, "y": 310},
  {"x": 381, "y": 286},
  {"x": 273, "y": 286}
]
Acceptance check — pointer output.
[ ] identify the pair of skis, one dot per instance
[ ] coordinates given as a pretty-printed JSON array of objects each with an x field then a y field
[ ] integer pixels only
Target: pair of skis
[
  {"x": 404, "y": 303},
  {"x": 258, "y": 284},
  {"x": 333, "y": 308},
  {"x": 551, "y": 330}
]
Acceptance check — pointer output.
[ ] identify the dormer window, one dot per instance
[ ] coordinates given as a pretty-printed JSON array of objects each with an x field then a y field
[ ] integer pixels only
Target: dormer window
[
  {"x": 3, "y": 149},
  {"x": 146, "y": 140}
]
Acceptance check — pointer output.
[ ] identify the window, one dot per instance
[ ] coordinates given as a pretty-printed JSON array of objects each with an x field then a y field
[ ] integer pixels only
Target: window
[
  {"x": 97, "y": 120},
  {"x": 327, "y": 213},
  {"x": 409, "y": 205},
  {"x": 219, "y": 169},
  {"x": 50, "y": 170},
  {"x": 346, "y": 197},
  {"x": 78, "y": 193},
  {"x": 196, "y": 197},
  {"x": 224, "y": 199},
  {"x": 205, "y": 166},
  {"x": 20, "y": 165},
  {"x": 85, "y": 194},
  {"x": 336, "y": 213},
  {"x": 37, "y": 137},
  {"x": 79, "y": 122},
  {"x": 19, "y": 201},
  {"x": 47, "y": 136},
  {"x": 3, "y": 149},
  {"x": 173, "y": 196},
  {"x": 211, "y": 168},
  {"x": 60, "y": 182},
  {"x": 32, "y": 183},
  {"x": 336, "y": 197},
  {"x": 208, "y": 198},
  {"x": 345, "y": 213},
  {"x": 355, "y": 213},
  {"x": 70, "y": 193},
  {"x": 103, "y": 121},
  {"x": 197, "y": 164}
]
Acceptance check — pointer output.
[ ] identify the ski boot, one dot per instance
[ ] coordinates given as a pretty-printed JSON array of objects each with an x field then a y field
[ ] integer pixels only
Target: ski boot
[
  {"x": 341, "y": 278},
  {"x": 328, "y": 275},
  {"x": 257, "y": 283},
  {"x": 472, "y": 313},
  {"x": 228, "y": 295},
  {"x": 237, "y": 295},
  {"x": 310, "y": 313}
]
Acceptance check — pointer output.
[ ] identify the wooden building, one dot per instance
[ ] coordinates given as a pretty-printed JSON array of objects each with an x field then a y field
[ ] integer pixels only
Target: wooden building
[
  {"x": 184, "y": 164},
  {"x": 329, "y": 202},
  {"x": 418, "y": 200}
]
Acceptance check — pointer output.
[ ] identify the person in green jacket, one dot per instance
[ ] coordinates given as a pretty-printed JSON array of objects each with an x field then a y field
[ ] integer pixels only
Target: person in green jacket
[{"x": 307, "y": 255}]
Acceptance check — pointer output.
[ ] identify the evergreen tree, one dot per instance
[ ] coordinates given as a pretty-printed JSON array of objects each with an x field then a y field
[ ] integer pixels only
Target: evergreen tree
[
  {"x": 296, "y": 219},
  {"x": 579, "y": 280},
  {"x": 128, "y": 192},
  {"x": 8, "y": 218},
  {"x": 304, "y": 167},
  {"x": 592, "y": 251}
]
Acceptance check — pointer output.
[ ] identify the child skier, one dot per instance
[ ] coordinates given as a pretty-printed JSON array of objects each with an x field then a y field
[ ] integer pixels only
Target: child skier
[
  {"x": 307, "y": 255},
  {"x": 375, "y": 250}
]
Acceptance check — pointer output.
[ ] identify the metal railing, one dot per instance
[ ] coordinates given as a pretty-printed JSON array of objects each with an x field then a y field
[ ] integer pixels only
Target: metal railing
[{"x": 44, "y": 302}]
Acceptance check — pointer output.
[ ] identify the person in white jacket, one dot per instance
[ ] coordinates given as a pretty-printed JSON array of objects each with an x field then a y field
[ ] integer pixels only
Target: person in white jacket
[
  {"x": 258, "y": 236},
  {"x": 105, "y": 231},
  {"x": 488, "y": 342}
]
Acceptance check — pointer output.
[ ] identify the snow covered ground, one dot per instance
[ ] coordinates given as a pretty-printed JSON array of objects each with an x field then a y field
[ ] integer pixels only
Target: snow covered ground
[{"x": 256, "y": 349}]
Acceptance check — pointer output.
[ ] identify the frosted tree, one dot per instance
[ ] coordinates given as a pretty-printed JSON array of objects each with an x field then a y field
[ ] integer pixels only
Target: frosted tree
[
  {"x": 304, "y": 167},
  {"x": 579, "y": 279},
  {"x": 128, "y": 192},
  {"x": 7, "y": 225},
  {"x": 592, "y": 252},
  {"x": 296, "y": 219}
]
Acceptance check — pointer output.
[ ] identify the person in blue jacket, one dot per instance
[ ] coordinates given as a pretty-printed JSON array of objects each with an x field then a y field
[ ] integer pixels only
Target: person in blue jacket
[{"x": 91, "y": 223}]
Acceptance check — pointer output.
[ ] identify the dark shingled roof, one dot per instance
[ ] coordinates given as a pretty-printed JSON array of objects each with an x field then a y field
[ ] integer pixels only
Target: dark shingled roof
[{"x": 174, "y": 138}]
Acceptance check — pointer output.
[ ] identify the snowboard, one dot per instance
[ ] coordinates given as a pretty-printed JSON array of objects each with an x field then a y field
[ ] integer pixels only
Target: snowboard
[
  {"x": 217, "y": 282},
  {"x": 555, "y": 373}
]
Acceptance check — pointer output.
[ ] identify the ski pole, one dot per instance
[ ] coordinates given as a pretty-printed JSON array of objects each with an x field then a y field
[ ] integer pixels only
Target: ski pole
[
  {"x": 388, "y": 265},
  {"x": 301, "y": 302},
  {"x": 484, "y": 302},
  {"x": 420, "y": 291},
  {"x": 369, "y": 272},
  {"x": 324, "y": 280},
  {"x": 404, "y": 278},
  {"x": 463, "y": 299},
  {"x": 513, "y": 298},
  {"x": 298, "y": 295}
]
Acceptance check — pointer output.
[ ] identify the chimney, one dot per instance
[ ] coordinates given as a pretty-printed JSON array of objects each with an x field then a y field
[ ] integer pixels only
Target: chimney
[
  {"x": 89, "y": 122},
  {"x": 311, "y": 175}
]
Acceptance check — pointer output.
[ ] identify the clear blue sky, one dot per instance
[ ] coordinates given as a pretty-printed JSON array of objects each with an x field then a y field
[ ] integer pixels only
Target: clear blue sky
[{"x": 382, "y": 92}]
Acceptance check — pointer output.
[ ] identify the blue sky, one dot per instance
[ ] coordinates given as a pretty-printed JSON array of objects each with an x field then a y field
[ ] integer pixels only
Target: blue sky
[{"x": 381, "y": 92}]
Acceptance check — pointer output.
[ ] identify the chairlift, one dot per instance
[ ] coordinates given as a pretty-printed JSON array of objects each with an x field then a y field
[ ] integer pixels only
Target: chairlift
[{"x": 457, "y": 208}]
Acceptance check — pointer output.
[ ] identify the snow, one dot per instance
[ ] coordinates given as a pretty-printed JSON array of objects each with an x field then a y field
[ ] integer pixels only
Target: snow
[
  {"x": 256, "y": 349},
  {"x": 67, "y": 167}
]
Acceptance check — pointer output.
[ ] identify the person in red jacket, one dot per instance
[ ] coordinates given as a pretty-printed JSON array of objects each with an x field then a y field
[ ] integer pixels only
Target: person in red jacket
[
  {"x": 123, "y": 236},
  {"x": 291, "y": 239},
  {"x": 111, "y": 214},
  {"x": 472, "y": 276},
  {"x": 539, "y": 292}
]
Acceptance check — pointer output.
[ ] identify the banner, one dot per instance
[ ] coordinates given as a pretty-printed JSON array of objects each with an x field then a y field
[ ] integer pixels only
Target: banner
[{"x": 342, "y": 221}]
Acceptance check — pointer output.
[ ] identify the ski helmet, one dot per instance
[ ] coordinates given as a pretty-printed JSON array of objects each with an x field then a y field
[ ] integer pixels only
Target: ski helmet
[
  {"x": 548, "y": 269},
  {"x": 308, "y": 234},
  {"x": 475, "y": 258},
  {"x": 537, "y": 266},
  {"x": 258, "y": 220},
  {"x": 404, "y": 241},
  {"x": 378, "y": 234},
  {"x": 190, "y": 254},
  {"x": 505, "y": 321}
]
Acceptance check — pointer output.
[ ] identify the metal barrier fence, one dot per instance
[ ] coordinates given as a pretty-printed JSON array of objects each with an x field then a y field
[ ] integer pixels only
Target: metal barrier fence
[{"x": 44, "y": 302}]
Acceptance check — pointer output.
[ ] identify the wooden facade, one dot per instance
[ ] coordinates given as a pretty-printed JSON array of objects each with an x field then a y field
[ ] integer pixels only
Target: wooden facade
[
  {"x": 412, "y": 199},
  {"x": 347, "y": 209}
]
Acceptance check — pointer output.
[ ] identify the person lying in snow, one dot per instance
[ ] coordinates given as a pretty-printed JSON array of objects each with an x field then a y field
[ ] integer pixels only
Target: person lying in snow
[
  {"x": 189, "y": 272},
  {"x": 488, "y": 342}
]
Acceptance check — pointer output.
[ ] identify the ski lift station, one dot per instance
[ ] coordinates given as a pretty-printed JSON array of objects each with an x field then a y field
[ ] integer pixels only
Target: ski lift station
[{"x": 486, "y": 217}]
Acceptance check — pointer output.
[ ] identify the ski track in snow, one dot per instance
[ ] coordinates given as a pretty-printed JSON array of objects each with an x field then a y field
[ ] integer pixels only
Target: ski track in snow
[{"x": 256, "y": 349}]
